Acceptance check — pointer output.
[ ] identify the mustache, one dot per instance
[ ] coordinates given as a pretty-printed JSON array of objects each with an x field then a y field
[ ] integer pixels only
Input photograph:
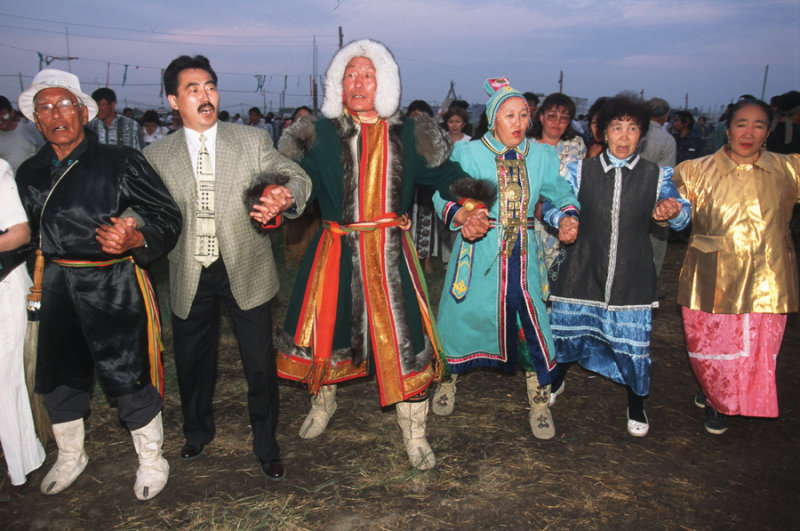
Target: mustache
[{"x": 203, "y": 106}]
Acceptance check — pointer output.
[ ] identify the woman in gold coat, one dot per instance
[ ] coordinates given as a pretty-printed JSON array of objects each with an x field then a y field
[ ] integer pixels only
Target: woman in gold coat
[{"x": 739, "y": 277}]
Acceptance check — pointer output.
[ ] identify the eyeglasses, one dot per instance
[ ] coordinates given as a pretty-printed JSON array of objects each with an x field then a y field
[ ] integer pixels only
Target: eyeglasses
[
  {"x": 556, "y": 117},
  {"x": 65, "y": 107}
]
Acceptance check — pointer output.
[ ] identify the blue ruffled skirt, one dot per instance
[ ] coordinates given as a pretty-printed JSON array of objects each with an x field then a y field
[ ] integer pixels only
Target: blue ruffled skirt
[{"x": 615, "y": 344}]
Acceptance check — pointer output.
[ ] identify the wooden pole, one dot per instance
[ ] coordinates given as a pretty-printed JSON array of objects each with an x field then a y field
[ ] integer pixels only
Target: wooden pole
[{"x": 69, "y": 60}]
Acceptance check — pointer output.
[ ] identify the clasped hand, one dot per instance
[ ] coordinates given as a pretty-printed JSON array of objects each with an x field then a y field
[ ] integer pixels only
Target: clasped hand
[
  {"x": 474, "y": 223},
  {"x": 568, "y": 229},
  {"x": 274, "y": 201},
  {"x": 666, "y": 209},
  {"x": 120, "y": 236}
]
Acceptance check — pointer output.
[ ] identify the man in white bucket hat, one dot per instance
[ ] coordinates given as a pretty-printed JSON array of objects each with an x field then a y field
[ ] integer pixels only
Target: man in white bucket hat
[{"x": 98, "y": 312}]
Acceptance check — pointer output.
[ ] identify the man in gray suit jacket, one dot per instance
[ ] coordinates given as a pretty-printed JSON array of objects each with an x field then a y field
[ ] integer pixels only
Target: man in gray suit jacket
[{"x": 221, "y": 256}]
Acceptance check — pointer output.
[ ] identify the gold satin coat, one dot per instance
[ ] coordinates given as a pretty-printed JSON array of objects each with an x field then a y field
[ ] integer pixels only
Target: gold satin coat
[{"x": 741, "y": 258}]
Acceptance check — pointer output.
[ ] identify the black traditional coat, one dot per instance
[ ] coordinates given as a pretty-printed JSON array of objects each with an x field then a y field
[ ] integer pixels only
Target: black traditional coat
[{"x": 96, "y": 314}]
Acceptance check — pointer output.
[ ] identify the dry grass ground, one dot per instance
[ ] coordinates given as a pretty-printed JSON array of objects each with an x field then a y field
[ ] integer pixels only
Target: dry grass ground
[{"x": 491, "y": 472}]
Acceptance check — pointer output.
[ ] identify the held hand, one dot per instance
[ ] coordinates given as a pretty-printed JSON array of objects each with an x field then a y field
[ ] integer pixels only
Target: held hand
[
  {"x": 275, "y": 200},
  {"x": 119, "y": 237},
  {"x": 666, "y": 209},
  {"x": 474, "y": 224},
  {"x": 568, "y": 229}
]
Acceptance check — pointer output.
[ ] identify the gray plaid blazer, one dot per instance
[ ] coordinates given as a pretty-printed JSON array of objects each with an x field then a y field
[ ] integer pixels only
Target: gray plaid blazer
[{"x": 241, "y": 153}]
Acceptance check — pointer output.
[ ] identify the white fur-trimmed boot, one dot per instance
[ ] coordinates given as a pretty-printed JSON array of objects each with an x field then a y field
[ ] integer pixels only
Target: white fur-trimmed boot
[
  {"x": 153, "y": 471},
  {"x": 412, "y": 418},
  {"x": 71, "y": 460},
  {"x": 444, "y": 399},
  {"x": 322, "y": 408},
  {"x": 541, "y": 418}
]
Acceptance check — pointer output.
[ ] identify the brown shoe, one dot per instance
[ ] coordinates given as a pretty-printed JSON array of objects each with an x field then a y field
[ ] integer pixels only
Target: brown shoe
[{"x": 9, "y": 491}]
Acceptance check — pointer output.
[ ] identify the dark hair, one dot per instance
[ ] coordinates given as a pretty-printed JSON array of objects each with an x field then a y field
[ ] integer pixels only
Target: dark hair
[
  {"x": 151, "y": 116},
  {"x": 456, "y": 111},
  {"x": 104, "y": 93},
  {"x": 595, "y": 108},
  {"x": 620, "y": 107},
  {"x": 744, "y": 102},
  {"x": 5, "y": 104},
  {"x": 419, "y": 105},
  {"x": 726, "y": 114},
  {"x": 184, "y": 62},
  {"x": 788, "y": 101},
  {"x": 530, "y": 96},
  {"x": 463, "y": 104},
  {"x": 482, "y": 128},
  {"x": 254, "y": 110},
  {"x": 224, "y": 116},
  {"x": 685, "y": 117},
  {"x": 301, "y": 108},
  {"x": 554, "y": 101}
]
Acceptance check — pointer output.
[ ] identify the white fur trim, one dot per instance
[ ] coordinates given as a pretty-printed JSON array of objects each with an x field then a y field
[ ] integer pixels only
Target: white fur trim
[{"x": 387, "y": 94}]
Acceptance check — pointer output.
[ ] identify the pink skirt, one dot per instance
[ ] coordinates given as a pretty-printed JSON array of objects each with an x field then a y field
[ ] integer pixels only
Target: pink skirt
[{"x": 733, "y": 358}]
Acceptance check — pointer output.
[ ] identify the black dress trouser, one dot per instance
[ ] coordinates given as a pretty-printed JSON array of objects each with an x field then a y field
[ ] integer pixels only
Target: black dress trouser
[{"x": 196, "y": 341}]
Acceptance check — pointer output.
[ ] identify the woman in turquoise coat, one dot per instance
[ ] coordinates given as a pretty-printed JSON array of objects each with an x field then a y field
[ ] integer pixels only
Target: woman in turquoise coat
[{"x": 492, "y": 312}]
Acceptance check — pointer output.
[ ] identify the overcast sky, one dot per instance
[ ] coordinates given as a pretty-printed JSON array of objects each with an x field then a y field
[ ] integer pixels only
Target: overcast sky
[{"x": 714, "y": 50}]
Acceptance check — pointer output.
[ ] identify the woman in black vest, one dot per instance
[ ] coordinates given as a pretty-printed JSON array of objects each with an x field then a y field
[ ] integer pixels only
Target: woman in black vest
[{"x": 603, "y": 297}]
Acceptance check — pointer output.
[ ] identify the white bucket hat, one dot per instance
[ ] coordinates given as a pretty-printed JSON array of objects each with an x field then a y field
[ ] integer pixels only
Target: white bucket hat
[{"x": 52, "y": 78}]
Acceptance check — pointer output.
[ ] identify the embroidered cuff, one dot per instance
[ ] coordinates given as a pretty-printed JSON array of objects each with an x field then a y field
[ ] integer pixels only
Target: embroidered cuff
[{"x": 449, "y": 213}]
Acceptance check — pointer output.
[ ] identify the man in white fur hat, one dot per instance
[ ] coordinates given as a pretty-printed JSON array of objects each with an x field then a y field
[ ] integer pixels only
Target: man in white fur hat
[
  {"x": 359, "y": 305},
  {"x": 98, "y": 312}
]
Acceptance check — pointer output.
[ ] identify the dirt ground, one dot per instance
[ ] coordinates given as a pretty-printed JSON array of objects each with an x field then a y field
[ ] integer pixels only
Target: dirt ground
[{"x": 491, "y": 472}]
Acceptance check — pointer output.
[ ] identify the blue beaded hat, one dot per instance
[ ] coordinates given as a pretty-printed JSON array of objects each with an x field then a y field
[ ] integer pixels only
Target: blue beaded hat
[{"x": 499, "y": 90}]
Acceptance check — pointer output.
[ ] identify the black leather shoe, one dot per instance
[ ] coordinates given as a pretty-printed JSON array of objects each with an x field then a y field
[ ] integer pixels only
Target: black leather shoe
[
  {"x": 273, "y": 470},
  {"x": 191, "y": 451},
  {"x": 9, "y": 491}
]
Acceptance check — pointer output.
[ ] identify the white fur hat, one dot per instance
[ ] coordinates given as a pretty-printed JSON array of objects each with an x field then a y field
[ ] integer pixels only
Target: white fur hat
[
  {"x": 52, "y": 78},
  {"x": 387, "y": 93}
]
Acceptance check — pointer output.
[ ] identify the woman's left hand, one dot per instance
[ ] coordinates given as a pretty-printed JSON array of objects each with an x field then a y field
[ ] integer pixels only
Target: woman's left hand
[
  {"x": 474, "y": 223},
  {"x": 568, "y": 229},
  {"x": 666, "y": 209}
]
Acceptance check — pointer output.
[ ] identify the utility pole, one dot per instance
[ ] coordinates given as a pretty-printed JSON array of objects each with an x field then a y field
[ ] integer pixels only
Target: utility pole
[
  {"x": 561, "y": 81},
  {"x": 764, "y": 86},
  {"x": 686, "y": 104},
  {"x": 69, "y": 58},
  {"x": 314, "y": 77},
  {"x": 341, "y": 37}
]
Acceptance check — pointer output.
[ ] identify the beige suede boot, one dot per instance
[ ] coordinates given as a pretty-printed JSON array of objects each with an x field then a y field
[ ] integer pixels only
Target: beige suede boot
[
  {"x": 153, "y": 471},
  {"x": 444, "y": 399},
  {"x": 72, "y": 459},
  {"x": 322, "y": 408},
  {"x": 540, "y": 417},
  {"x": 412, "y": 418}
]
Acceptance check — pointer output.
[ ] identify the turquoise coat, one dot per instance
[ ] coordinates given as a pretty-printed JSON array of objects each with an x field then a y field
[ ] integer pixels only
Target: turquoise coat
[{"x": 472, "y": 328}]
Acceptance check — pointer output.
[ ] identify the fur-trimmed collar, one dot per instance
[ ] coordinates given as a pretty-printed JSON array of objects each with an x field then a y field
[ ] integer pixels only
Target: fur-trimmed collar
[
  {"x": 431, "y": 142},
  {"x": 387, "y": 94}
]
